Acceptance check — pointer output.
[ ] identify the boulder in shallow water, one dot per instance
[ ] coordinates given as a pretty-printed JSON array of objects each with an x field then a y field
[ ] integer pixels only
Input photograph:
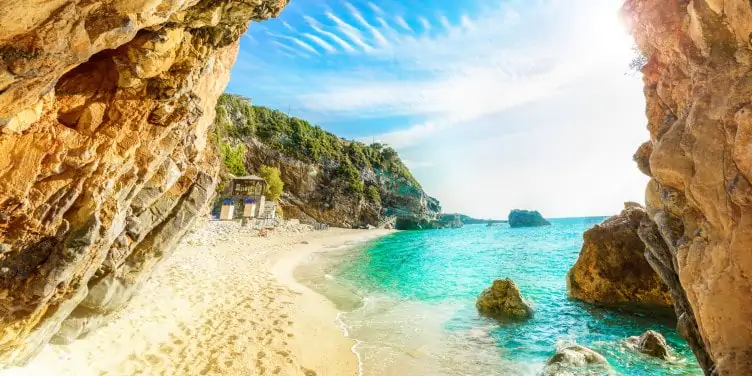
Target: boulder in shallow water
[
  {"x": 527, "y": 218},
  {"x": 577, "y": 360},
  {"x": 651, "y": 343},
  {"x": 612, "y": 269},
  {"x": 503, "y": 300}
]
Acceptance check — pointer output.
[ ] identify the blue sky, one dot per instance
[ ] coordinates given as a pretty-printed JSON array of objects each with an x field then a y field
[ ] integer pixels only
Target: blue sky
[{"x": 494, "y": 105}]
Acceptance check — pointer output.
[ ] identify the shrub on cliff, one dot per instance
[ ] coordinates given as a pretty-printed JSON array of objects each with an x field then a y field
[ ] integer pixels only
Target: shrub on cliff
[
  {"x": 351, "y": 176},
  {"x": 274, "y": 183},
  {"x": 233, "y": 158},
  {"x": 239, "y": 123},
  {"x": 374, "y": 194}
]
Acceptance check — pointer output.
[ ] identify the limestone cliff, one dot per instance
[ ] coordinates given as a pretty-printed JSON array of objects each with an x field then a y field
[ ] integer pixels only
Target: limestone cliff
[
  {"x": 612, "y": 270},
  {"x": 331, "y": 180},
  {"x": 699, "y": 110},
  {"x": 104, "y": 164}
]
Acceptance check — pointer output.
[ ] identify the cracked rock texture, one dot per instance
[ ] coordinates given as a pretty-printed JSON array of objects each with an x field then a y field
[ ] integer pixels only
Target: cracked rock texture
[
  {"x": 104, "y": 162},
  {"x": 612, "y": 270},
  {"x": 698, "y": 87}
]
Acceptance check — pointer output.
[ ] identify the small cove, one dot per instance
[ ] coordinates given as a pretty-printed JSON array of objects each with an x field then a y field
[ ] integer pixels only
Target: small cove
[{"x": 408, "y": 299}]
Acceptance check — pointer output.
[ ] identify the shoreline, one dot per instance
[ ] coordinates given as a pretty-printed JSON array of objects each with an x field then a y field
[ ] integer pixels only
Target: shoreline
[
  {"x": 224, "y": 303},
  {"x": 284, "y": 270}
]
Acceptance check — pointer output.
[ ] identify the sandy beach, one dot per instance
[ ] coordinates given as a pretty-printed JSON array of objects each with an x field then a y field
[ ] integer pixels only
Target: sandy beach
[{"x": 224, "y": 303}]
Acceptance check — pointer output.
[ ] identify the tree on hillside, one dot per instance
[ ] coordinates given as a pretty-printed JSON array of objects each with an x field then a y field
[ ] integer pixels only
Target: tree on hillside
[
  {"x": 274, "y": 183},
  {"x": 233, "y": 158}
]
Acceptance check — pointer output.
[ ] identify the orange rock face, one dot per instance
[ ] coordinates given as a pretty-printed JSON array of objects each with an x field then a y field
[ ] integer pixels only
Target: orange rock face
[
  {"x": 699, "y": 110},
  {"x": 104, "y": 162},
  {"x": 612, "y": 270}
]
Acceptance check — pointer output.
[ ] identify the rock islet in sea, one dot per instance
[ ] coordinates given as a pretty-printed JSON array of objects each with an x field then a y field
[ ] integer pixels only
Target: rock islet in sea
[{"x": 526, "y": 218}]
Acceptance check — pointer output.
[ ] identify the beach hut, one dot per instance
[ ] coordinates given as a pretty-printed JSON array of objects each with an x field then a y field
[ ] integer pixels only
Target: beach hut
[{"x": 251, "y": 190}]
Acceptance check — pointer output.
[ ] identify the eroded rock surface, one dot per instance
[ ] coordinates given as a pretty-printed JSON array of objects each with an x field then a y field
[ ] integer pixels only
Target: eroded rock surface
[
  {"x": 574, "y": 360},
  {"x": 503, "y": 300},
  {"x": 699, "y": 110},
  {"x": 104, "y": 162},
  {"x": 651, "y": 343},
  {"x": 612, "y": 270}
]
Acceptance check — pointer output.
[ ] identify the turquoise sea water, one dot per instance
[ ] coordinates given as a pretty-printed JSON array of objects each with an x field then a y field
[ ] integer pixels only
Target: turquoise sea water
[{"x": 409, "y": 300}]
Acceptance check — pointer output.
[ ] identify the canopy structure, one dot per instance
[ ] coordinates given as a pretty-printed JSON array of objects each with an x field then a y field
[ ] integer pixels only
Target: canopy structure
[{"x": 248, "y": 186}]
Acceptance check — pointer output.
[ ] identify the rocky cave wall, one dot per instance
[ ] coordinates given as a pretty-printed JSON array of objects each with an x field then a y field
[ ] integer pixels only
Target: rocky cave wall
[
  {"x": 698, "y": 86},
  {"x": 104, "y": 162}
]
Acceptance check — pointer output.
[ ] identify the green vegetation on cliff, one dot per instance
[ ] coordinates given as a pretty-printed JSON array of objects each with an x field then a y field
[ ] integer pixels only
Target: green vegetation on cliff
[
  {"x": 299, "y": 139},
  {"x": 326, "y": 178},
  {"x": 274, "y": 183},
  {"x": 233, "y": 158}
]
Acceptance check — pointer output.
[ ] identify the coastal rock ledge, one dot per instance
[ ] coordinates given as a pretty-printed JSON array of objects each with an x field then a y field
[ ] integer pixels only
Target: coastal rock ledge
[
  {"x": 612, "y": 270},
  {"x": 698, "y": 60},
  {"x": 504, "y": 301},
  {"x": 104, "y": 158}
]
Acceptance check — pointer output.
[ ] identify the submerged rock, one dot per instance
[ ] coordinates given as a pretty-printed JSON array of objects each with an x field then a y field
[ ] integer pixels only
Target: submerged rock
[
  {"x": 651, "y": 343},
  {"x": 503, "y": 300},
  {"x": 577, "y": 360},
  {"x": 527, "y": 218},
  {"x": 612, "y": 269}
]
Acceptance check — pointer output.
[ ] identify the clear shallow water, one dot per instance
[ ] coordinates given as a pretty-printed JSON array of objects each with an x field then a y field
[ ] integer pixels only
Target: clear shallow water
[{"x": 409, "y": 299}]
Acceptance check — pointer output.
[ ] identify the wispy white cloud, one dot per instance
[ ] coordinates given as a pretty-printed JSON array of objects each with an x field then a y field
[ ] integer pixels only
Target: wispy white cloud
[
  {"x": 298, "y": 42},
  {"x": 289, "y": 27},
  {"x": 477, "y": 67},
  {"x": 251, "y": 38},
  {"x": 317, "y": 27},
  {"x": 424, "y": 22},
  {"x": 350, "y": 32},
  {"x": 375, "y": 8},
  {"x": 374, "y": 31},
  {"x": 320, "y": 42},
  {"x": 445, "y": 22},
  {"x": 402, "y": 23},
  {"x": 388, "y": 29},
  {"x": 285, "y": 49}
]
